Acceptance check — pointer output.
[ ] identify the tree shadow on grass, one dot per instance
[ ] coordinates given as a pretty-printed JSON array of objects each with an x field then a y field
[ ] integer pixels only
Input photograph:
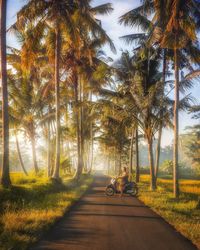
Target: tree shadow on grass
[{"x": 18, "y": 197}]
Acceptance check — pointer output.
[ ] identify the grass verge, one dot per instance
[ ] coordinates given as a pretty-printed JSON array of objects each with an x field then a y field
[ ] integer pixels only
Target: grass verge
[
  {"x": 182, "y": 213},
  {"x": 31, "y": 207}
]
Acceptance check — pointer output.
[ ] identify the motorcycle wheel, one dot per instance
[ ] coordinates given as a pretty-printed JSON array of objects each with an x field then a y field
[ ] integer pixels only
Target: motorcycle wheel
[
  {"x": 135, "y": 192},
  {"x": 109, "y": 191}
]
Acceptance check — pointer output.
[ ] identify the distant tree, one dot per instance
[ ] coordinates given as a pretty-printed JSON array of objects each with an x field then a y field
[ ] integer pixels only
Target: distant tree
[
  {"x": 167, "y": 166},
  {"x": 193, "y": 146}
]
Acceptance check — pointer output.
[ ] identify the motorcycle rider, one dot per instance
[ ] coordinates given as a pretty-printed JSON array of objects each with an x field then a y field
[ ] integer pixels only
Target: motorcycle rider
[{"x": 123, "y": 180}]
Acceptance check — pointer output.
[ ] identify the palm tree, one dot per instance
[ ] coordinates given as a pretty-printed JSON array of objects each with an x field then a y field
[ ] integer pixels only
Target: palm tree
[
  {"x": 131, "y": 154},
  {"x": 83, "y": 64},
  {"x": 170, "y": 29},
  {"x": 25, "y": 114},
  {"x": 76, "y": 19},
  {"x": 140, "y": 17},
  {"x": 113, "y": 135},
  {"x": 54, "y": 13},
  {"x": 19, "y": 155},
  {"x": 57, "y": 94},
  {"x": 5, "y": 176},
  {"x": 180, "y": 37},
  {"x": 15, "y": 126},
  {"x": 27, "y": 98},
  {"x": 142, "y": 86},
  {"x": 137, "y": 168}
]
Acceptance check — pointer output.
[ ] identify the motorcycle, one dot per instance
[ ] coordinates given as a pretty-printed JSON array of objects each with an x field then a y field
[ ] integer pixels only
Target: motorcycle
[{"x": 131, "y": 188}]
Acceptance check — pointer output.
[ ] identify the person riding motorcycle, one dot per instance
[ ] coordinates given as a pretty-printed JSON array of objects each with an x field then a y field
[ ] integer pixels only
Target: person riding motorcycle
[{"x": 123, "y": 180}]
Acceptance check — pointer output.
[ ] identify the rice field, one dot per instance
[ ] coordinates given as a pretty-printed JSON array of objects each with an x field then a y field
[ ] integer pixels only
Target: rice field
[{"x": 182, "y": 213}]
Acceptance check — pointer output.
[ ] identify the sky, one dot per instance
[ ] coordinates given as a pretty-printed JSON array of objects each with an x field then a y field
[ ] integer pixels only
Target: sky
[{"x": 115, "y": 31}]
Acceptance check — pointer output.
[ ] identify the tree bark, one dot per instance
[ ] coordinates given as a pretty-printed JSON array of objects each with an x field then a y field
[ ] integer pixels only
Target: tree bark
[
  {"x": 35, "y": 165},
  {"x": 82, "y": 139},
  {"x": 131, "y": 155},
  {"x": 158, "y": 150},
  {"x": 5, "y": 175},
  {"x": 137, "y": 166},
  {"x": 108, "y": 164},
  {"x": 161, "y": 123},
  {"x": 20, "y": 156},
  {"x": 91, "y": 147},
  {"x": 115, "y": 161},
  {"x": 78, "y": 133},
  {"x": 91, "y": 141},
  {"x": 48, "y": 150},
  {"x": 176, "y": 127},
  {"x": 151, "y": 163},
  {"x": 56, "y": 173},
  {"x": 120, "y": 162}
]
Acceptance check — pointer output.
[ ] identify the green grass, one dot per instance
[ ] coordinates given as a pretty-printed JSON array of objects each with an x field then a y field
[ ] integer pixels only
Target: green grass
[
  {"x": 32, "y": 206},
  {"x": 182, "y": 213}
]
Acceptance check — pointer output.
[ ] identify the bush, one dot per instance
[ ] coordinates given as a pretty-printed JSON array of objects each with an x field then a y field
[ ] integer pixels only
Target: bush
[{"x": 167, "y": 167}]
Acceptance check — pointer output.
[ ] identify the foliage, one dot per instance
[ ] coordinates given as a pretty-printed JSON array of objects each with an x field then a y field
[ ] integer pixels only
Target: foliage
[
  {"x": 32, "y": 205},
  {"x": 167, "y": 167},
  {"x": 64, "y": 93},
  {"x": 192, "y": 146},
  {"x": 66, "y": 165}
]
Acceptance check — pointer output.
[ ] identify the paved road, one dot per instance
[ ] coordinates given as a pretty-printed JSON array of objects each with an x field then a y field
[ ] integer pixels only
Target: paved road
[{"x": 98, "y": 222}]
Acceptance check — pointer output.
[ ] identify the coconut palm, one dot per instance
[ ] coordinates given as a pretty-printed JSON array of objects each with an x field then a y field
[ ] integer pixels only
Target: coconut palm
[
  {"x": 83, "y": 64},
  {"x": 124, "y": 71},
  {"x": 54, "y": 14},
  {"x": 180, "y": 35},
  {"x": 65, "y": 16},
  {"x": 26, "y": 98},
  {"x": 142, "y": 85},
  {"x": 140, "y": 17},
  {"x": 15, "y": 126},
  {"x": 5, "y": 177},
  {"x": 173, "y": 27}
]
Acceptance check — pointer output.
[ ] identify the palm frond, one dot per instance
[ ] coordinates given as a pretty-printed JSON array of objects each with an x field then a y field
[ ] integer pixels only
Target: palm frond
[
  {"x": 103, "y": 9},
  {"x": 133, "y": 18}
]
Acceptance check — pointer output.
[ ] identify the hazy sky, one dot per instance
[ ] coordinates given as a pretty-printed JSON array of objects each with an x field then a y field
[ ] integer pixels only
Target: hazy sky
[{"x": 114, "y": 30}]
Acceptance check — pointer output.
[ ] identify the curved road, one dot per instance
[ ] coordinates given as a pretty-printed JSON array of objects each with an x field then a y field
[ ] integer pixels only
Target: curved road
[{"x": 98, "y": 222}]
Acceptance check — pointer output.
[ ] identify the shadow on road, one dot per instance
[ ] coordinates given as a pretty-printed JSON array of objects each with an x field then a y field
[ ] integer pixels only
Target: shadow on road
[{"x": 98, "y": 222}]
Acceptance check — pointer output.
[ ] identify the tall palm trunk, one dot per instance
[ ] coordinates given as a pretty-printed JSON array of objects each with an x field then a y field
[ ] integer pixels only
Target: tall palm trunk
[
  {"x": 48, "y": 150},
  {"x": 5, "y": 175},
  {"x": 158, "y": 150},
  {"x": 120, "y": 162},
  {"x": 151, "y": 163},
  {"x": 91, "y": 153},
  {"x": 81, "y": 92},
  {"x": 131, "y": 154},
  {"x": 109, "y": 165},
  {"x": 115, "y": 161},
  {"x": 52, "y": 157},
  {"x": 20, "y": 156},
  {"x": 56, "y": 174},
  {"x": 91, "y": 141},
  {"x": 161, "y": 123},
  {"x": 35, "y": 165},
  {"x": 78, "y": 134},
  {"x": 176, "y": 126},
  {"x": 86, "y": 156},
  {"x": 137, "y": 166}
]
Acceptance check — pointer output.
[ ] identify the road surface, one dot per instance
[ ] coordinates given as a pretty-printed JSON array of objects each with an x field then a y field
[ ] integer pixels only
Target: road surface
[{"x": 98, "y": 222}]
